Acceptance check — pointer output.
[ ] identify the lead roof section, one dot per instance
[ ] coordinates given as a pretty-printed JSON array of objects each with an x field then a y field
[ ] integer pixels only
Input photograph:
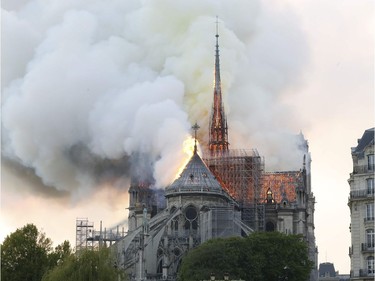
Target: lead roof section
[{"x": 196, "y": 177}]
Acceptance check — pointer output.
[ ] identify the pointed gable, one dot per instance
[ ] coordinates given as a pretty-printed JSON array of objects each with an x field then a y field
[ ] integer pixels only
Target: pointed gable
[{"x": 196, "y": 177}]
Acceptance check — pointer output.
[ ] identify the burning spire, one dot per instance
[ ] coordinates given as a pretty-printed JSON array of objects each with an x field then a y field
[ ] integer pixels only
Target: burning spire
[{"x": 218, "y": 138}]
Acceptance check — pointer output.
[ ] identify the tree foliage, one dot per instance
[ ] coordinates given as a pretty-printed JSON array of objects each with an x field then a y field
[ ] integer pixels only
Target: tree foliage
[
  {"x": 27, "y": 255},
  {"x": 60, "y": 254},
  {"x": 260, "y": 256},
  {"x": 24, "y": 254},
  {"x": 87, "y": 266}
]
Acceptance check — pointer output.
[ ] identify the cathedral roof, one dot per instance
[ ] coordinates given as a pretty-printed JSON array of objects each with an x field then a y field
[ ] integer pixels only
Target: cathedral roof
[{"x": 195, "y": 178}]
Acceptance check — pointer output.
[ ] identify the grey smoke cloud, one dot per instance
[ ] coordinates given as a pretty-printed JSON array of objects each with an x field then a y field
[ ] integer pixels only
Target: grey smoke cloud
[{"x": 87, "y": 84}]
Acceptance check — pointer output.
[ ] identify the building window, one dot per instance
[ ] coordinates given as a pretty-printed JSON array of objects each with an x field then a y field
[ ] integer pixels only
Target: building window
[
  {"x": 191, "y": 218},
  {"x": 370, "y": 186},
  {"x": 370, "y": 238},
  {"x": 370, "y": 212},
  {"x": 177, "y": 251},
  {"x": 160, "y": 267},
  {"x": 370, "y": 265},
  {"x": 270, "y": 226},
  {"x": 370, "y": 162},
  {"x": 174, "y": 224}
]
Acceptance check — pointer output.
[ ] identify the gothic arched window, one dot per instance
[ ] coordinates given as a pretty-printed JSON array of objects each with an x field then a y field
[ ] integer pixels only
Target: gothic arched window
[
  {"x": 191, "y": 218},
  {"x": 160, "y": 267},
  {"x": 174, "y": 222},
  {"x": 270, "y": 226}
]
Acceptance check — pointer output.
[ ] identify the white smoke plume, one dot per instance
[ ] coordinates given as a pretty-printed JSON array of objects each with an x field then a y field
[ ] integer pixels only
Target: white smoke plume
[{"x": 86, "y": 84}]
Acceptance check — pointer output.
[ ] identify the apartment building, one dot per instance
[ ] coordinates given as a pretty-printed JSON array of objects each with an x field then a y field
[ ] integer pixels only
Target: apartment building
[{"x": 361, "y": 204}]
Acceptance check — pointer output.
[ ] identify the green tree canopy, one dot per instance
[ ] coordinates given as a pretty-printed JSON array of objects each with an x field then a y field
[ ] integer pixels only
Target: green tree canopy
[
  {"x": 24, "y": 254},
  {"x": 87, "y": 266},
  {"x": 27, "y": 255},
  {"x": 266, "y": 256},
  {"x": 60, "y": 254}
]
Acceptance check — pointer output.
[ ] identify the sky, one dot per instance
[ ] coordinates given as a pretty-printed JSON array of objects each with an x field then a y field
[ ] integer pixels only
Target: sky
[{"x": 86, "y": 86}]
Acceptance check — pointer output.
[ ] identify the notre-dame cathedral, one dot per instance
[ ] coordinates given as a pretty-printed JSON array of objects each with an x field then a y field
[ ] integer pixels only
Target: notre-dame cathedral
[{"x": 221, "y": 193}]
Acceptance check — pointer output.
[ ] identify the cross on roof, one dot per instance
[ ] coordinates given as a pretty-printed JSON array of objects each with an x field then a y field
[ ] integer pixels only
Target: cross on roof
[{"x": 195, "y": 127}]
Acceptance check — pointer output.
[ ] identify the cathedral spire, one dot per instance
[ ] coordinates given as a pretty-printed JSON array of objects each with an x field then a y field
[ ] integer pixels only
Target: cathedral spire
[
  {"x": 218, "y": 138},
  {"x": 217, "y": 61}
]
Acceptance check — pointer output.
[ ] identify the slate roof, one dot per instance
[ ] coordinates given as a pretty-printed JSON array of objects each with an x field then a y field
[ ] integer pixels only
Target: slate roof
[
  {"x": 367, "y": 138},
  {"x": 327, "y": 269},
  {"x": 196, "y": 177}
]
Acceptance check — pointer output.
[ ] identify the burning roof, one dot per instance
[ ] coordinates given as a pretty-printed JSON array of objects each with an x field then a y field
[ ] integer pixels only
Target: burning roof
[{"x": 283, "y": 185}]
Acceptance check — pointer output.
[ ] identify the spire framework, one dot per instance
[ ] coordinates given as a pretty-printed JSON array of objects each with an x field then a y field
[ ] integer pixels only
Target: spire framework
[{"x": 218, "y": 138}]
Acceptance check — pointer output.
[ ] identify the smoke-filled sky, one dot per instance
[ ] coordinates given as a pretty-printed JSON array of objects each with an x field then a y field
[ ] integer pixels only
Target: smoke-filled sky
[{"x": 88, "y": 86}]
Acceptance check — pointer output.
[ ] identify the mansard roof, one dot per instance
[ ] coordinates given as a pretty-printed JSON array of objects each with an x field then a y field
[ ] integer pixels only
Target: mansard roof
[
  {"x": 367, "y": 139},
  {"x": 195, "y": 178},
  {"x": 327, "y": 269}
]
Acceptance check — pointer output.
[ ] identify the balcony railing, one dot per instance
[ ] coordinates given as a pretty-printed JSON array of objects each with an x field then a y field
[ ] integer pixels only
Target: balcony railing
[
  {"x": 361, "y": 169},
  {"x": 366, "y": 272},
  {"x": 362, "y": 193},
  {"x": 367, "y": 247},
  {"x": 369, "y": 219}
]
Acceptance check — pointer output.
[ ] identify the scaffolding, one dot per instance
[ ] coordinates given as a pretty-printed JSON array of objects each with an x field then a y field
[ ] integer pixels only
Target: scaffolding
[
  {"x": 240, "y": 173},
  {"x": 84, "y": 230},
  {"x": 89, "y": 238}
]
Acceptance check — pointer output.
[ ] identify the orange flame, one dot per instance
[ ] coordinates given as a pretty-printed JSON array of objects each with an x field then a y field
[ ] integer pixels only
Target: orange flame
[{"x": 188, "y": 151}]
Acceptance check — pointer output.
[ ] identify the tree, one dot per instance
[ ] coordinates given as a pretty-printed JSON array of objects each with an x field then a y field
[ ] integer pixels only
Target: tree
[
  {"x": 24, "y": 254},
  {"x": 87, "y": 266},
  {"x": 60, "y": 254},
  {"x": 215, "y": 256},
  {"x": 266, "y": 256}
]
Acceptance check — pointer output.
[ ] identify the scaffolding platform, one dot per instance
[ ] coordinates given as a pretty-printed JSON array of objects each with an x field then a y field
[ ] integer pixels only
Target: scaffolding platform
[
  {"x": 240, "y": 173},
  {"x": 89, "y": 238}
]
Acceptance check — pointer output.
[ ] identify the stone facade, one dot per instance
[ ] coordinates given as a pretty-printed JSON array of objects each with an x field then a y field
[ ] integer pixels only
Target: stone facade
[
  {"x": 197, "y": 208},
  {"x": 361, "y": 204}
]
